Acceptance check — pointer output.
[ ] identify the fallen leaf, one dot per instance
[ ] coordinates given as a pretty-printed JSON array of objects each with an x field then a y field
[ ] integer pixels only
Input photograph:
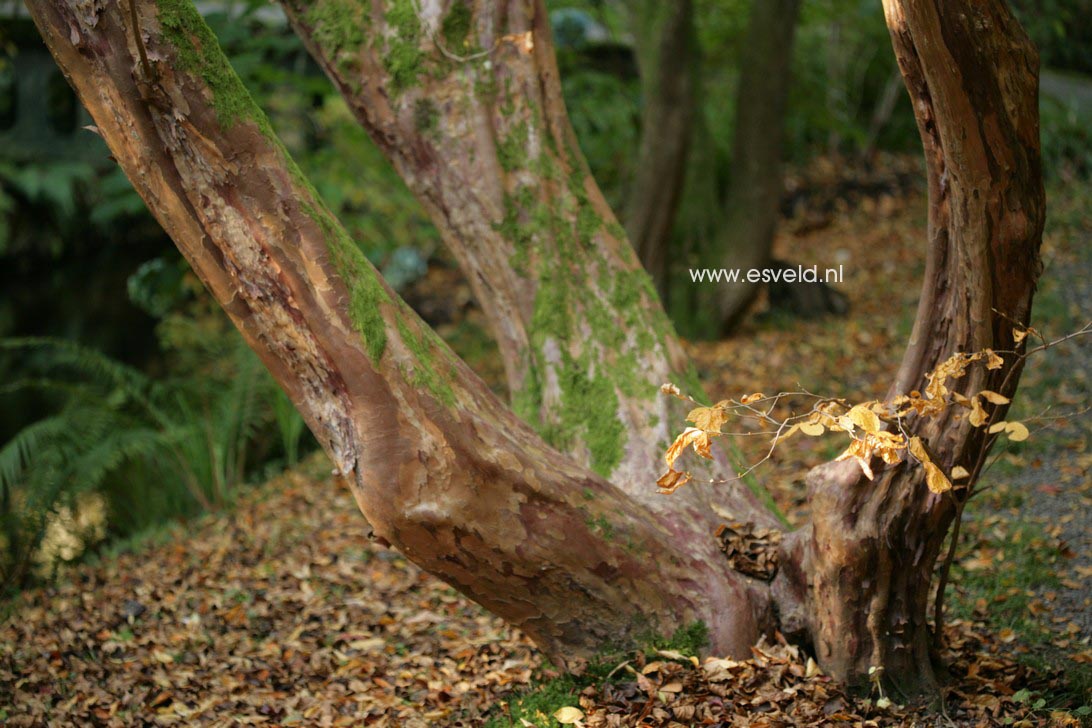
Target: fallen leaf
[{"x": 568, "y": 715}]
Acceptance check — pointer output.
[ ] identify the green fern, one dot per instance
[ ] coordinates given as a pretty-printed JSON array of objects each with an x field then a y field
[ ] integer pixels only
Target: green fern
[{"x": 154, "y": 449}]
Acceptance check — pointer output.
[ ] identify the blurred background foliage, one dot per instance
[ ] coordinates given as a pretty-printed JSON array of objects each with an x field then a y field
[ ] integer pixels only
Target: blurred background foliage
[{"x": 127, "y": 397}]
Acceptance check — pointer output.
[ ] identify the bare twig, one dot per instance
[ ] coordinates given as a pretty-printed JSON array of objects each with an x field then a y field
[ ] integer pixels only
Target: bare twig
[{"x": 149, "y": 73}]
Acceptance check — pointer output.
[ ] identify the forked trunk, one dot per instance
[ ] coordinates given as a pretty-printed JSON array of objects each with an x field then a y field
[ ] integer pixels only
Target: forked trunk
[
  {"x": 464, "y": 98},
  {"x": 442, "y": 469}
]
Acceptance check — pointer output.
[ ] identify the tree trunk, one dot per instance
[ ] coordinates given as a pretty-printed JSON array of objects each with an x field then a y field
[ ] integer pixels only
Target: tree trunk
[
  {"x": 754, "y": 190},
  {"x": 667, "y": 57},
  {"x": 972, "y": 75}
]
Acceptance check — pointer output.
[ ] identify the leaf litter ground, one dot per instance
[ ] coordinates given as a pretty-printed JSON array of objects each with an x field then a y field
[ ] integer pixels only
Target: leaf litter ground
[{"x": 284, "y": 613}]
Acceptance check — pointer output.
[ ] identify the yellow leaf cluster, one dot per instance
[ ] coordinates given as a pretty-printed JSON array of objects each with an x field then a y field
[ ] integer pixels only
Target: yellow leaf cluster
[
  {"x": 708, "y": 419},
  {"x": 828, "y": 416},
  {"x": 865, "y": 423},
  {"x": 693, "y": 437},
  {"x": 1016, "y": 431}
]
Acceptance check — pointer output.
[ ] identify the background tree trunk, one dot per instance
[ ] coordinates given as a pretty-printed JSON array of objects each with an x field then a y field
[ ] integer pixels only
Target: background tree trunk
[
  {"x": 667, "y": 57},
  {"x": 972, "y": 75},
  {"x": 752, "y": 202}
]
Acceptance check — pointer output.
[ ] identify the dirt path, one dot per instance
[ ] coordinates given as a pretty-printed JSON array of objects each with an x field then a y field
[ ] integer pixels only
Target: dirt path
[
  {"x": 1072, "y": 90},
  {"x": 1057, "y": 479}
]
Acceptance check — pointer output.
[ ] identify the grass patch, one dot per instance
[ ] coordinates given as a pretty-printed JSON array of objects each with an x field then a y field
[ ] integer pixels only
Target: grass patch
[
  {"x": 1004, "y": 595},
  {"x": 1010, "y": 561},
  {"x": 552, "y": 691}
]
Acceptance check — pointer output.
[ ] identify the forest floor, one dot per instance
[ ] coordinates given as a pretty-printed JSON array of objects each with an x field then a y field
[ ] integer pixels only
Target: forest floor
[{"x": 283, "y": 612}]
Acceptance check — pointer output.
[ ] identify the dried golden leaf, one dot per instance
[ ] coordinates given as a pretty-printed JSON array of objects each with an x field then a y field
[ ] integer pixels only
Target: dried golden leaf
[
  {"x": 671, "y": 481},
  {"x": 888, "y": 445},
  {"x": 935, "y": 479},
  {"x": 993, "y": 361},
  {"x": 811, "y": 429},
  {"x": 669, "y": 388},
  {"x": 860, "y": 452},
  {"x": 787, "y": 433},
  {"x": 672, "y": 655},
  {"x": 953, "y": 367},
  {"x": 752, "y": 398},
  {"x": 1017, "y": 431},
  {"x": 568, "y": 715},
  {"x": 708, "y": 418},
  {"x": 1019, "y": 335},
  {"x": 993, "y": 397},
  {"x": 978, "y": 416},
  {"x": 959, "y": 473},
  {"x": 862, "y": 416},
  {"x": 917, "y": 449},
  {"x": 691, "y": 436}
]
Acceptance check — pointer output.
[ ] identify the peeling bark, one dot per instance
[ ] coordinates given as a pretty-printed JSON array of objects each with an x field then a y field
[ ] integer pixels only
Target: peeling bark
[
  {"x": 478, "y": 129},
  {"x": 446, "y": 472}
]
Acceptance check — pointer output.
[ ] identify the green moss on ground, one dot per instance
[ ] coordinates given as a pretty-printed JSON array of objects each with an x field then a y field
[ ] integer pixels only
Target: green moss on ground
[{"x": 538, "y": 704}]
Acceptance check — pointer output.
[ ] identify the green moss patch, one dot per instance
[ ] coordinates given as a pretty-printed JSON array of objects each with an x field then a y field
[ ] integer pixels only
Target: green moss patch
[
  {"x": 456, "y": 26},
  {"x": 426, "y": 372},
  {"x": 366, "y": 291},
  {"x": 338, "y": 28},
  {"x": 404, "y": 60},
  {"x": 199, "y": 53}
]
